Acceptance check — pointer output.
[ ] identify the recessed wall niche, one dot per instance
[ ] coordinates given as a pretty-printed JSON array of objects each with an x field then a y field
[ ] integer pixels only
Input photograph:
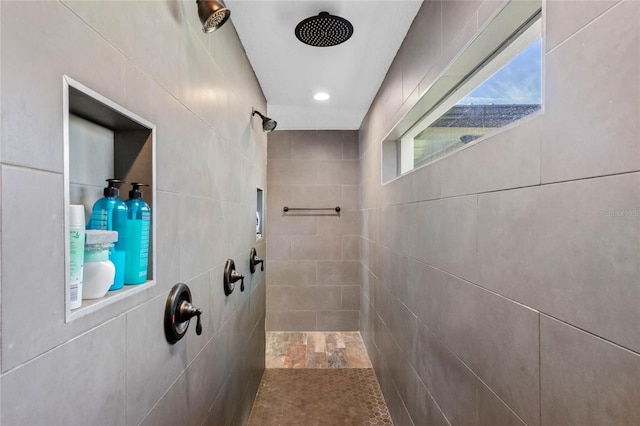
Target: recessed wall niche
[
  {"x": 259, "y": 213},
  {"x": 104, "y": 140}
]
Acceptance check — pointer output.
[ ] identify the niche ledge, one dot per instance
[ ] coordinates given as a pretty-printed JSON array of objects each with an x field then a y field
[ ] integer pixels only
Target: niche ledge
[
  {"x": 104, "y": 140},
  {"x": 94, "y": 305}
]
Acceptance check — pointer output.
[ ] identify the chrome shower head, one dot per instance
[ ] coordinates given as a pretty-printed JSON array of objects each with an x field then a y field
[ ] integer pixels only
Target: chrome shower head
[
  {"x": 212, "y": 14},
  {"x": 268, "y": 124}
]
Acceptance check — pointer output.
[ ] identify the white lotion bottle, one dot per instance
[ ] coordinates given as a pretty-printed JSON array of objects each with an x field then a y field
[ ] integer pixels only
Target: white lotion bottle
[{"x": 76, "y": 254}]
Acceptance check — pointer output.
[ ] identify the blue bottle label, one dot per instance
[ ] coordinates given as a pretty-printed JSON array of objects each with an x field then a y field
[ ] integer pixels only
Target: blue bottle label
[
  {"x": 99, "y": 220},
  {"x": 137, "y": 249}
]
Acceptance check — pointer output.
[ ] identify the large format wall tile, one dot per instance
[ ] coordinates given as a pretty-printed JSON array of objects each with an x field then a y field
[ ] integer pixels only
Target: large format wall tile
[
  {"x": 402, "y": 324},
  {"x": 188, "y": 399},
  {"x": 287, "y": 172},
  {"x": 585, "y": 380},
  {"x": 198, "y": 147},
  {"x": 427, "y": 182},
  {"x": 291, "y": 320},
  {"x": 422, "y": 291},
  {"x": 447, "y": 235},
  {"x": 202, "y": 88},
  {"x": 280, "y": 145},
  {"x": 423, "y": 42},
  {"x": 332, "y": 272},
  {"x": 338, "y": 172},
  {"x": 147, "y": 348},
  {"x": 279, "y": 248},
  {"x": 347, "y": 223},
  {"x": 201, "y": 245},
  {"x": 351, "y": 297},
  {"x": 292, "y": 272},
  {"x": 557, "y": 248},
  {"x": 323, "y": 145},
  {"x": 279, "y": 224},
  {"x": 108, "y": 19},
  {"x": 463, "y": 398},
  {"x": 351, "y": 247},
  {"x": 453, "y": 385},
  {"x": 168, "y": 253},
  {"x": 316, "y": 247},
  {"x": 512, "y": 155},
  {"x": 419, "y": 402},
  {"x": 32, "y": 101},
  {"x": 304, "y": 298},
  {"x": 350, "y": 197},
  {"x": 338, "y": 320},
  {"x": 564, "y": 18},
  {"x": 294, "y": 195},
  {"x": 80, "y": 382},
  {"x": 33, "y": 264},
  {"x": 483, "y": 322},
  {"x": 591, "y": 126}
]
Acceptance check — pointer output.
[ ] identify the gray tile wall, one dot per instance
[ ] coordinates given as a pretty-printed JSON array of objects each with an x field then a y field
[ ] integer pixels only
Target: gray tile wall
[
  {"x": 500, "y": 285},
  {"x": 313, "y": 275},
  {"x": 114, "y": 366}
]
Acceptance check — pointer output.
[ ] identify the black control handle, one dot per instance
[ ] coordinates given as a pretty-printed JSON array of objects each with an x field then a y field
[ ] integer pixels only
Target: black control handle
[
  {"x": 231, "y": 276},
  {"x": 178, "y": 312},
  {"x": 255, "y": 260}
]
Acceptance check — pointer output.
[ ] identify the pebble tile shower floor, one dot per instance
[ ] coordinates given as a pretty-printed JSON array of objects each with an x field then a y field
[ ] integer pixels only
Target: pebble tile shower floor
[{"x": 317, "y": 378}]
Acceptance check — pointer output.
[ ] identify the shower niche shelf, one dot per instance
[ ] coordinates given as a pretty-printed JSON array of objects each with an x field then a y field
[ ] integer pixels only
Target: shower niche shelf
[
  {"x": 259, "y": 213},
  {"x": 104, "y": 140}
]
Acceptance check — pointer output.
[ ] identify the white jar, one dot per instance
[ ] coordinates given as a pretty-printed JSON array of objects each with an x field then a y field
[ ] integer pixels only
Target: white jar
[{"x": 99, "y": 271}]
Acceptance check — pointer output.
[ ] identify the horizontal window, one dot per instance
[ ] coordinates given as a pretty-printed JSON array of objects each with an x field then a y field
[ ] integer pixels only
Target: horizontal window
[
  {"x": 510, "y": 94},
  {"x": 498, "y": 90}
]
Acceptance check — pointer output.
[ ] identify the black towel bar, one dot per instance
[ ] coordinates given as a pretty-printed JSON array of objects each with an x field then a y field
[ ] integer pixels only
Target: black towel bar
[{"x": 286, "y": 209}]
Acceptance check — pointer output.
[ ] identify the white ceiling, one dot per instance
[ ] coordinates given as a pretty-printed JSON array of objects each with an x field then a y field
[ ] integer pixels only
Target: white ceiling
[{"x": 291, "y": 72}]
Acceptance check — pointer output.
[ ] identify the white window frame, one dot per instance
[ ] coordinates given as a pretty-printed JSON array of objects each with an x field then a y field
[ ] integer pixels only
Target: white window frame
[{"x": 512, "y": 30}]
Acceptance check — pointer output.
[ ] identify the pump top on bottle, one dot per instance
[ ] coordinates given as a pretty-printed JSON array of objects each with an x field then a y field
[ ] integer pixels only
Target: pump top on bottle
[
  {"x": 113, "y": 189},
  {"x": 135, "y": 192}
]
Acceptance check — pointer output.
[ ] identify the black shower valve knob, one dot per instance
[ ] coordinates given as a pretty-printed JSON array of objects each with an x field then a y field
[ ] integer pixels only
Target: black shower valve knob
[
  {"x": 235, "y": 276},
  {"x": 188, "y": 311},
  {"x": 178, "y": 312},
  {"x": 231, "y": 276},
  {"x": 255, "y": 260}
]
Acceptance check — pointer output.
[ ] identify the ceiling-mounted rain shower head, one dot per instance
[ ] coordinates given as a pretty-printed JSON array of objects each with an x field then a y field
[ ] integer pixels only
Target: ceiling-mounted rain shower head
[
  {"x": 268, "y": 124},
  {"x": 324, "y": 30},
  {"x": 212, "y": 14}
]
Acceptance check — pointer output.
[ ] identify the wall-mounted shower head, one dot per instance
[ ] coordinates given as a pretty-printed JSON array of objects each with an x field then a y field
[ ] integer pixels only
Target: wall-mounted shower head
[
  {"x": 212, "y": 14},
  {"x": 324, "y": 30},
  {"x": 268, "y": 124}
]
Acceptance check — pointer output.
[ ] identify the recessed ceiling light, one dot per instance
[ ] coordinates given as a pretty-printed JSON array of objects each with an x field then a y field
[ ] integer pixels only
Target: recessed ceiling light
[{"x": 321, "y": 96}]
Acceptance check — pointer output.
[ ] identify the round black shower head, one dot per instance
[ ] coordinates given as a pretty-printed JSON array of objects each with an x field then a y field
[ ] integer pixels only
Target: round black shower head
[
  {"x": 324, "y": 30},
  {"x": 268, "y": 124}
]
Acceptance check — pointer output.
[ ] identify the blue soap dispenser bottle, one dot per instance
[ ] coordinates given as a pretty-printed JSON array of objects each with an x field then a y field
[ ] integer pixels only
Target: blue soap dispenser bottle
[
  {"x": 110, "y": 213},
  {"x": 138, "y": 228}
]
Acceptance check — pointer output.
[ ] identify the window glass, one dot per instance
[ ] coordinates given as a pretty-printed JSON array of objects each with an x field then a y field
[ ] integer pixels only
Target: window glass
[{"x": 511, "y": 93}]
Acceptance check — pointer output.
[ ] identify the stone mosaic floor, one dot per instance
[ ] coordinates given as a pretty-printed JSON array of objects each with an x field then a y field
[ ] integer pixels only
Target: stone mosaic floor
[
  {"x": 318, "y": 378},
  {"x": 316, "y": 349},
  {"x": 310, "y": 397}
]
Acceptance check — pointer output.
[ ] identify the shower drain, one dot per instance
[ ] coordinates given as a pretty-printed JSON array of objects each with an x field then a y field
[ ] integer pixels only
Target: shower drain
[{"x": 324, "y": 30}]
